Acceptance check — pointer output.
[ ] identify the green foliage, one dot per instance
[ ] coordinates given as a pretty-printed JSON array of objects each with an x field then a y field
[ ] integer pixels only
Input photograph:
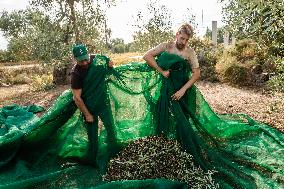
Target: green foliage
[
  {"x": 259, "y": 20},
  {"x": 144, "y": 41},
  {"x": 5, "y": 56},
  {"x": 154, "y": 27},
  {"x": 231, "y": 71},
  {"x": 118, "y": 46},
  {"x": 276, "y": 82},
  {"x": 65, "y": 12},
  {"x": 18, "y": 49},
  {"x": 37, "y": 38},
  {"x": 13, "y": 24},
  {"x": 48, "y": 30},
  {"x": 247, "y": 51},
  {"x": 253, "y": 62},
  {"x": 42, "y": 82},
  {"x": 230, "y": 67},
  {"x": 235, "y": 74},
  {"x": 207, "y": 57},
  {"x": 220, "y": 34}
]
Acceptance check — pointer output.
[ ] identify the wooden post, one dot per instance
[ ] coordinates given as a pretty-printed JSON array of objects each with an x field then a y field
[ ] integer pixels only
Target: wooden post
[
  {"x": 214, "y": 32},
  {"x": 226, "y": 39},
  {"x": 233, "y": 41}
]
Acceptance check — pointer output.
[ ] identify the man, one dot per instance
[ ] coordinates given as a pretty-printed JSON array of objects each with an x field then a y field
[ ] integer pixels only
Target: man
[
  {"x": 181, "y": 83},
  {"x": 178, "y": 47},
  {"x": 78, "y": 75}
]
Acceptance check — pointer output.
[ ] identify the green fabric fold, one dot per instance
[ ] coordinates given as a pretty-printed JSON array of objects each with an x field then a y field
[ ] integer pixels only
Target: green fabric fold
[{"x": 134, "y": 101}]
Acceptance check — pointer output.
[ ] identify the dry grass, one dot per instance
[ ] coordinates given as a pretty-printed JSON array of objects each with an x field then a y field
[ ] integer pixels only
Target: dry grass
[
  {"x": 124, "y": 58},
  {"x": 19, "y": 63},
  {"x": 25, "y": 95},
  {"x": 21, "y": 74}
]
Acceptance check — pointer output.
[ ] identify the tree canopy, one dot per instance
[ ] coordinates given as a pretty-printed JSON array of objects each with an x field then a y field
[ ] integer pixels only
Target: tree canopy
[
  {"x": 48, "y": 29},
  {"x": 259, "y": 20}
]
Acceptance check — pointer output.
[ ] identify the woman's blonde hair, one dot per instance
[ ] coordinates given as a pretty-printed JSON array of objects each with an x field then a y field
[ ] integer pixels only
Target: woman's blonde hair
[{"x": 187, "y": 29}]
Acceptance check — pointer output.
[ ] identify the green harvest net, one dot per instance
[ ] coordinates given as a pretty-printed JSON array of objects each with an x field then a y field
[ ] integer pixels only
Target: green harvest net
[{"x": 133, "y": 101}]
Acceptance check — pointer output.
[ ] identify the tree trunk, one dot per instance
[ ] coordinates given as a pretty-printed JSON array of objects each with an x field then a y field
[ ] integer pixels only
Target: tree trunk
[
  {"x": 62, "y": 75},
  {"x": 74, "y": 21}
]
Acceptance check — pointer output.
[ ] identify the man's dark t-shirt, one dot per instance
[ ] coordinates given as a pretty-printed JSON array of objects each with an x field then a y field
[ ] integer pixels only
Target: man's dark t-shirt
[{"x": 78, "y": 74}]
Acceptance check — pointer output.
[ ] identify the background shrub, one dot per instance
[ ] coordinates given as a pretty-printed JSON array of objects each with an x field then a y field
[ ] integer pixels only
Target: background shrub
[
  {"x": 231, "y": 71},
  {"x": 276, "y": 82},
  {"x": 207, "y": 57},
  {"x": 21, "y": 74},
  {"x": 42, "y": 82},
  {"x": 248, "y": 63}
]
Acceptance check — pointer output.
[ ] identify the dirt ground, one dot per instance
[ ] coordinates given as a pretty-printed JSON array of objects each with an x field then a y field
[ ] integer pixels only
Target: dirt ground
[
  {"x": 267, "y": 107},
  {"x": 263, "y": 106},
  {"x": 23, "y": 95}
]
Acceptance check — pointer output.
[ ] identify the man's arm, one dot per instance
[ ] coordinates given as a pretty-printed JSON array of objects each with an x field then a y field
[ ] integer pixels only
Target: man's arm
[
  {"x": 194, "y": 77},
  {"x": 81, "y": 105},
  {"x": 150, "y": 55}
]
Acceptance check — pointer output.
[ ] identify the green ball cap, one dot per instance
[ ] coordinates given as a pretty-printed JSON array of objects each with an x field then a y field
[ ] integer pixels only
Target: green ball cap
[{"x": 80, "y": 52}]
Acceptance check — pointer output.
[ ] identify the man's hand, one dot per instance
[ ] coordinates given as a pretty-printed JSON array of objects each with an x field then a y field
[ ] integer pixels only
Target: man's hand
[
  {"x": 110, "y": 64},
  {"x": 178, "y": 94},
  {"x": 89, "y": 118},
  {"x": 81, "y": 105},
  {"x": 166, "y": 73}
]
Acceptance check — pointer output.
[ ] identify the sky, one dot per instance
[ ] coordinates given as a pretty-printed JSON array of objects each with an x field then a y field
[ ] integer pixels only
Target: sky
[{"x": 120, "y": 17}]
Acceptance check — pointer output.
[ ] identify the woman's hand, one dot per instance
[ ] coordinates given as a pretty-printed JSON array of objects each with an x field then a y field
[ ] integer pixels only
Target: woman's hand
[{"x": 178, "y": 94}]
